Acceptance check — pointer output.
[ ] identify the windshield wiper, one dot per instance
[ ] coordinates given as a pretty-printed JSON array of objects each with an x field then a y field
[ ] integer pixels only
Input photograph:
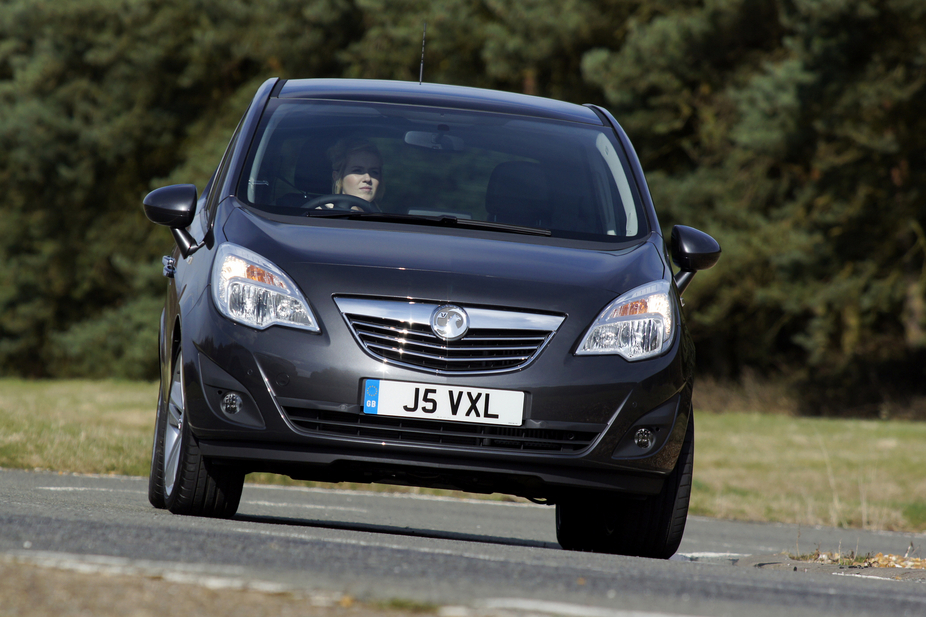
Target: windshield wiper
[
  {"x": 493, "y": 226},
  {"x": 444, "y": 220}
]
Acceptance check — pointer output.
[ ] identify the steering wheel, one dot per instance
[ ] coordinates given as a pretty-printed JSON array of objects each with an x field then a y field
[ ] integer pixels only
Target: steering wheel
[{"x": 340, "y": 202}]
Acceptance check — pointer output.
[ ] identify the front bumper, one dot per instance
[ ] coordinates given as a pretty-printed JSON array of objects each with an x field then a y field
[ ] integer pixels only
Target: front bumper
[{"x": 302, "y": 414}]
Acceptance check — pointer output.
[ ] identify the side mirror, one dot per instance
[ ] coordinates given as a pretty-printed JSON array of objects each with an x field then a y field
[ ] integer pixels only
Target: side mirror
[
  {"x": 692, "y": 250},
  {"x": 174, "y": 206}
]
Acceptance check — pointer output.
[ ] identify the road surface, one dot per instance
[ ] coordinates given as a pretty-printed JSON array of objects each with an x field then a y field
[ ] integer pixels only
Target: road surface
[{"x": 466, "y": 556}]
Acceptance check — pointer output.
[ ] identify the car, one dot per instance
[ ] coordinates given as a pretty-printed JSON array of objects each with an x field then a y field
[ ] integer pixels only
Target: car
[{"x": 435, "y": 286}]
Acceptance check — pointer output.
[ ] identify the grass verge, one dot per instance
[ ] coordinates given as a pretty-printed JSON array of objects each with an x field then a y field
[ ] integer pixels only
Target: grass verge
[
  {"x": 102, "y": 427},
  {"x": 748, "y": 466},
  {"x": 772, "y": 466}
]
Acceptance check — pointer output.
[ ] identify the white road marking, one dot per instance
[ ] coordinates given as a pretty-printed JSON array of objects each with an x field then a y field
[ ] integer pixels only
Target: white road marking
[
  {"x": 705, "y": 555},
  {"x": 417, "y": 496},
  {"x": 303, "y": 506},
  {"x": 306, "y": 489},
  {"x": 853, "y": 575},
  {"x": 175, "y": 572},
  {"x": 566, "y": 609},
  {"x": 67, "y": 489},
  {"x": 367, "y": 544}
]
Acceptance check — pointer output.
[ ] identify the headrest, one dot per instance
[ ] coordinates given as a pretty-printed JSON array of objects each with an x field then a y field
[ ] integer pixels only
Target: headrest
[{"x": 313, "y": 169}]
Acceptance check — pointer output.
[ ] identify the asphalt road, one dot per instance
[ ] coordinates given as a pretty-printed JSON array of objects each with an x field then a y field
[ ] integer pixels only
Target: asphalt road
[{"x": 470, "y": 557}]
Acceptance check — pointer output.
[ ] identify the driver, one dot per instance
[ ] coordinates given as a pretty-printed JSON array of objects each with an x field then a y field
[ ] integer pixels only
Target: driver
[{"x": 356, "y": 169}]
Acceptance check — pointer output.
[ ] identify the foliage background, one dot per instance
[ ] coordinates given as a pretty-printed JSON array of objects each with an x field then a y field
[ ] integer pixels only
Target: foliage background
[{"x": 791, "y": 130}]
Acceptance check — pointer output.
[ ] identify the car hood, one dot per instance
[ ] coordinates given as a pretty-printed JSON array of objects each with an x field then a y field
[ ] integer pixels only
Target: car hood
[{"x": 339, "y": 257}]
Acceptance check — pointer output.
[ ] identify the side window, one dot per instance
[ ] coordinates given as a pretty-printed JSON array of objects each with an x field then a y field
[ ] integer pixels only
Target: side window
[
  {"x": 201, "y": 205},
  {"x": 621, "y": 221},
  {"x": 213, "y": 190}
]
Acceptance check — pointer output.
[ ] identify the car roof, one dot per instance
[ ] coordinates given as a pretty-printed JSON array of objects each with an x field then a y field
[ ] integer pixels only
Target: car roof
[{"x": 435, "y": 95}]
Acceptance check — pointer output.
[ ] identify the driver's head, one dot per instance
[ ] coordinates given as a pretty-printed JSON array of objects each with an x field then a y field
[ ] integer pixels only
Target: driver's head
[{"x": 356, "y": 169}]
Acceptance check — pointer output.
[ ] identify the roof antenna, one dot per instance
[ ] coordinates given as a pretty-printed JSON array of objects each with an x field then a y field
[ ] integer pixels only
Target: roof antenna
[{"x": 423, "y": 37}]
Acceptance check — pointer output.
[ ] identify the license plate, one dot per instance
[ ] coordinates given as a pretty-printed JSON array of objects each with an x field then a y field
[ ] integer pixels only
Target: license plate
[{"x": 447, "y": 403}]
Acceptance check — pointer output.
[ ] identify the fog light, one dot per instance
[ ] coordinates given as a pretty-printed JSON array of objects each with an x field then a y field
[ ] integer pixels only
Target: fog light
[
  {"x": 231, "y": 403},
  {"x": 644, "y": 438}
]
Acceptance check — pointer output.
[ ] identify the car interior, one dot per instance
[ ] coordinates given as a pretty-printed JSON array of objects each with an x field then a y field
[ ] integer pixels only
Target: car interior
[{"x": 486, "y": 173}]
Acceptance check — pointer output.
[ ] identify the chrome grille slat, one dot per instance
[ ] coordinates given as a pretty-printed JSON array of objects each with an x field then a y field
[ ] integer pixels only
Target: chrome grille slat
[
  {"x": 426, "y": 334},
  {"x": 443, "y": 358},
  {"x": 365, "y": 324},
  {"x": 386, "y": 342},
  {"x": 371, "y": 336}
]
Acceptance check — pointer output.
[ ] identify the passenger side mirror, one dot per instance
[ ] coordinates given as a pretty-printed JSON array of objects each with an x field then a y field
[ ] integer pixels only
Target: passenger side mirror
[
  {"x": 692, "y": 250},
  {"x": 174, "y": 206}
]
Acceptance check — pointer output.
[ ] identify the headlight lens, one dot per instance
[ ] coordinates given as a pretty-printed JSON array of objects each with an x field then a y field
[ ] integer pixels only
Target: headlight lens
[
  {"x": 251, "y": 290},
  {"x": 637, "y": 325}
]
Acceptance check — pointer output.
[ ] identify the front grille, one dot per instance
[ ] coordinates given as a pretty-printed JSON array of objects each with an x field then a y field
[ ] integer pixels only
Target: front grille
[
  {"x": 399, "y": 332},
  {"x": 416, "y": 345},
  {"x": 431, "y": 432}
]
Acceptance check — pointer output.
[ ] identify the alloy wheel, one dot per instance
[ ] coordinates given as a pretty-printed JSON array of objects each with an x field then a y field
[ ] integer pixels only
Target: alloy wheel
[{"x": 174, "y": 428}]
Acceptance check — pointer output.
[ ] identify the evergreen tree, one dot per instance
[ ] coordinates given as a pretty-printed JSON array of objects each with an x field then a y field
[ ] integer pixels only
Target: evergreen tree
[
  {"x": 98, "y": 99},
  {"x": 790, "y": 130}
]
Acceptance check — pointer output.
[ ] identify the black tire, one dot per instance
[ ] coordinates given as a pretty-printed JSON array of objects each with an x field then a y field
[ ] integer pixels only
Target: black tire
[
  {"x": 181, "y": 479},
  {"x": 613, "y": 523},
  {"x": 156, "y": 474}
]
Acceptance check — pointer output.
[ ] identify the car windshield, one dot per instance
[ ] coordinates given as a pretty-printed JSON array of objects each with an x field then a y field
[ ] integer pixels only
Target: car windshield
[{"x": 499, "y": 171}]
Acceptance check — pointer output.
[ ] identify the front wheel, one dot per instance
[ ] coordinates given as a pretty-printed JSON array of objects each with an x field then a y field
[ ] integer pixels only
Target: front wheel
[
  {"x": 156, "y": 474},
  {"x": 614, "y": 523},
  {"x": 182, "y": 480}
]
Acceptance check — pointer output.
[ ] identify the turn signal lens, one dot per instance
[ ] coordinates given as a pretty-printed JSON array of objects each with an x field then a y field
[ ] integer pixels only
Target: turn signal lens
[
  {"x": 631, "y": 308},
  {"x": 260, "y": 275}
]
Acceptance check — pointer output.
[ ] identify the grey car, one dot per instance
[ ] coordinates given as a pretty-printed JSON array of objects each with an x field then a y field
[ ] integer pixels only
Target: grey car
[{"x": 434, "y": 286}]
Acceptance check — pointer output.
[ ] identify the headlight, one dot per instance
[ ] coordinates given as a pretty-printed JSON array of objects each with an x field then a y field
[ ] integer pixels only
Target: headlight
[
  {"x": 637, "y": 325},
  {"x": 251, "y": 290}
]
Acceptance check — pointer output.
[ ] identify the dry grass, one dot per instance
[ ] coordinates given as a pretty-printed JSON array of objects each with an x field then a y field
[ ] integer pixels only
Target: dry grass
[
  {"x": 749, "y": 395},
  {"x": 771, "y": 466},
  {"x": 77, "y": 426},
  {"x": 768, "y": 466}
]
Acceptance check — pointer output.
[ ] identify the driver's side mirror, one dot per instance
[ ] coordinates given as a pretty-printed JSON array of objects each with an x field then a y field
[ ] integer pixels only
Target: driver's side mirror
[
  {"x": 692, "y": 250},
  {"x": 174, "y": 206}
]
